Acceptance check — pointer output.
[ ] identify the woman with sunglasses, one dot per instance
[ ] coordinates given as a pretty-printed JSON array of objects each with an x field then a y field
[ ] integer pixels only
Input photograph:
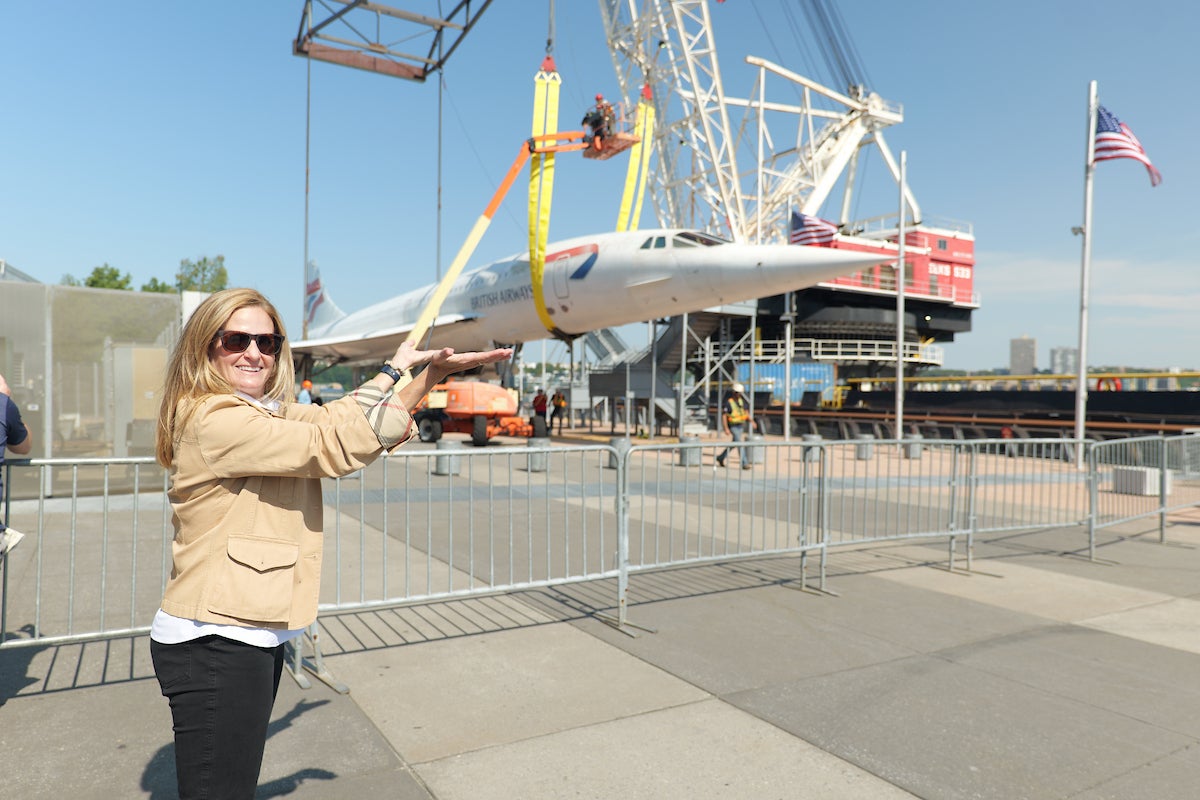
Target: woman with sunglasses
[{"x": 245, "y": 463}]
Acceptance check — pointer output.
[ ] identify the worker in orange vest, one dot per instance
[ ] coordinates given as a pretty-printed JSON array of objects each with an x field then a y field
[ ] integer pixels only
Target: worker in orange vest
[
  {"x": 735, "y": 419},
  {"x": 558, "y": 410}
]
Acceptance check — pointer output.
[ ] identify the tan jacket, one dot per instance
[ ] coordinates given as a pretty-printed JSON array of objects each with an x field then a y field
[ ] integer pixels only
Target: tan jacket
[{"x": 246, "y": 496}]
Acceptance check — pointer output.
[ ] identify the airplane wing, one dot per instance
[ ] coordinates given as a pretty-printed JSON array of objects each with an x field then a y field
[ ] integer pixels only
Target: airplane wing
[{"x": 381, "y": 343}]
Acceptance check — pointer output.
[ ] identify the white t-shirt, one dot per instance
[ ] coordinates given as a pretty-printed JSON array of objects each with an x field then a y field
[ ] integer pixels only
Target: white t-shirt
[{"x": 168, "y": 629}]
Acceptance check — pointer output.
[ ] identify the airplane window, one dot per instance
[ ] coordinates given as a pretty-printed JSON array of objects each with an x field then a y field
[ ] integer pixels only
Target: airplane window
[
  {"x": 649, "y": 243},
  {"x": 696, "y": 238},
  {"x": 660, "y": 242}
]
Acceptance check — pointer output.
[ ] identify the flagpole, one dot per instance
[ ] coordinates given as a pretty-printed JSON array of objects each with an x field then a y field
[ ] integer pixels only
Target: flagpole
[
  {"x": 900, "y": 306},
  {"x": 1081, "y": 391},
  {"x": 789, "y": 316}
]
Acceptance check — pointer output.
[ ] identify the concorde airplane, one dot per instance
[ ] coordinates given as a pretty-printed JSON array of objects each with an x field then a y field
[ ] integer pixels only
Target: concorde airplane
[{"x": 591, "y": 282}]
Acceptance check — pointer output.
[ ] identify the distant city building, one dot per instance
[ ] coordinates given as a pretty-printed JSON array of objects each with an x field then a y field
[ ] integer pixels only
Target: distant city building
[
  {"x": 1064, "y": 360},
  {"x": 1022, "y": 356}
]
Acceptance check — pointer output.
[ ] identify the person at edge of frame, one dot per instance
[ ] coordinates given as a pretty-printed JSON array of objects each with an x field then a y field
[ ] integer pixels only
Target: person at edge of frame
[{"x": 14, "y": 436}]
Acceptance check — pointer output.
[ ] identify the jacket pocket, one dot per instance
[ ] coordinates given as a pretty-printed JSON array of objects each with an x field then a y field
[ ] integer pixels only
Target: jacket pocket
[{"x": 255, "y": 580}]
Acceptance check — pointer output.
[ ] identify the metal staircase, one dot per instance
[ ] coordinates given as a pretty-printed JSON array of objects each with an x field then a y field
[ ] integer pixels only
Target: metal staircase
[
  {"x": 608, "y": 348},
  {"x": 634, "y": 370}
]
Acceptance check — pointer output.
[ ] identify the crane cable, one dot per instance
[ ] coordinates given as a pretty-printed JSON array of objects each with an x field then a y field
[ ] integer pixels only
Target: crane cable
[
  {"x": 547, "y": 83},
  {"x": 639, "y": 160}
]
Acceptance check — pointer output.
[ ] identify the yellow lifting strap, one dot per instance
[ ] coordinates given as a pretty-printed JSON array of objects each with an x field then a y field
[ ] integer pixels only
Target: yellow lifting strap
[
  {"x": 639, "y": 159},
  {"x": 541, "y": 182},
  {"x": 434, "y": 303}
]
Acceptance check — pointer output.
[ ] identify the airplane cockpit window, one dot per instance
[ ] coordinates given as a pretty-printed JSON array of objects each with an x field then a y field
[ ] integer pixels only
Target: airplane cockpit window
[
  {"x": 697, "y": 239},
  {"x": 654, "y": 243}
]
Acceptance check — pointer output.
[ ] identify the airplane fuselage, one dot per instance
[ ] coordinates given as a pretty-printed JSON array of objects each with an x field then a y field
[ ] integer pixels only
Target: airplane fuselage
[{"x": 591, "y": 283}]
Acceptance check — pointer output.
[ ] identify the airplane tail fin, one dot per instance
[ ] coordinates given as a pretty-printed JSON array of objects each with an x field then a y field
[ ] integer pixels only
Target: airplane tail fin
[{"x": 319, "y": 308}]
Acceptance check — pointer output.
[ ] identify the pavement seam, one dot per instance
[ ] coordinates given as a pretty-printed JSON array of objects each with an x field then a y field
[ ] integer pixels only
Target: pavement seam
[
  {"x": 1133, "y": 771},
  {"x": 583, "y": 726}
]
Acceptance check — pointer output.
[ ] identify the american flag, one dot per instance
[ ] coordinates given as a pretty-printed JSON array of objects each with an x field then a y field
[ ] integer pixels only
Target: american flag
[
  {"x": 1115, "y": 140},
  {"x": 810, "y": 230}
]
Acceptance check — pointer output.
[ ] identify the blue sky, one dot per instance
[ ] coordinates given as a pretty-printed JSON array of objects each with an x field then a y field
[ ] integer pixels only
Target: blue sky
[{"x": 143, "y": 133}]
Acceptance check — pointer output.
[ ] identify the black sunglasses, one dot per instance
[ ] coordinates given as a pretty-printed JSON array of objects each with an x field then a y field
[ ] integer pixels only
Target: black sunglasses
[{"x": 269, "y": 344}]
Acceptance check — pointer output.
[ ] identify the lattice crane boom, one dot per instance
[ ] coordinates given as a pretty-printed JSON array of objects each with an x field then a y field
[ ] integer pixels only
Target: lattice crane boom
[{"x": 735, "y": 165}]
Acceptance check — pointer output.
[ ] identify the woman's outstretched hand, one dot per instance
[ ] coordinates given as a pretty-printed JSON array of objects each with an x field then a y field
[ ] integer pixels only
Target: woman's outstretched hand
[{"x": 445, "y": 361}]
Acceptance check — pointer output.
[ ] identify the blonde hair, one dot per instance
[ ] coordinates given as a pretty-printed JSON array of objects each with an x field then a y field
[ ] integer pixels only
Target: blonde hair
[{"x": 191, "y": 375}]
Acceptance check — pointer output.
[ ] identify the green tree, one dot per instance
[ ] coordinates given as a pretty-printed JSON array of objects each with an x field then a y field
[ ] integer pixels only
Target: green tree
[
  {"x": 102, "y": 277},
  {"x": 155, "y": 285},
  {"x": 106, "y": 277},
  {"x": 205, "y": 275}
]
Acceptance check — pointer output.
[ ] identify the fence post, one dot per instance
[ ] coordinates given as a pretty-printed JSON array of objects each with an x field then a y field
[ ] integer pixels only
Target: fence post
[
  {"x": 1093, "y": 486},
  {"x": 972, "y": 491},
  {"x": 622, "y": 502},
  {"x": 952, "y": 521},
  {"x": 823, "y": 513},
  {"x": 802, "y": 539},
  {"x": 312, "y": 634},
  {"x": 1162, "y": 491}
]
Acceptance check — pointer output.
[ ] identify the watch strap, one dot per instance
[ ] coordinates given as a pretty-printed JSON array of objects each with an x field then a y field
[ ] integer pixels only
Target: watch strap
[{"x": 396, "y": 375}]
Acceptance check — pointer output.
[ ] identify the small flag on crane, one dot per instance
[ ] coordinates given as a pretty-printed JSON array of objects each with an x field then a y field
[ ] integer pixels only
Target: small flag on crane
[
  {"x": 1114, "y": 139},
  {"x": 810, "y": 230}
]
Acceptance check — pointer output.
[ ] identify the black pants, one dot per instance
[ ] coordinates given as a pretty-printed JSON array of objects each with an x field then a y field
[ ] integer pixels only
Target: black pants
[{"x": 221, "y": 693}]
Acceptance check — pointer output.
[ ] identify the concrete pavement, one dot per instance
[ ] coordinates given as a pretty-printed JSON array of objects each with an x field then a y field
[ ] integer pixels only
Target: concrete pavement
[{"x": 1041, "y": 675}]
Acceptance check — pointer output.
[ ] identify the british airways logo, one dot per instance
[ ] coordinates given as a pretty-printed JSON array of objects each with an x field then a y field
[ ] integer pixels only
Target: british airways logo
[{"x": 592, "y": 252}]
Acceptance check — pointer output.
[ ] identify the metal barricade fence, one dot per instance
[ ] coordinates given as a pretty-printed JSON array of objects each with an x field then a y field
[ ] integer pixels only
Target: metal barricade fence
[
  {"x": 96, "y": 552},
  {"x": 800, "y": 497},
  {"x": 416, "y": 526},
  {"x": 1144, "y": 476},
  {"x": 430, "y": 524},
  {"x": 424, "y": 525},
  {"x": 684, "y": 507}
]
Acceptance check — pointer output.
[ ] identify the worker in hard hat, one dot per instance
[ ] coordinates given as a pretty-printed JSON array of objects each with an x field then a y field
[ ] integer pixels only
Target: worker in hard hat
[
  {"x": 735, "y": 419},
  {"x": 305, "y": 395},
  {"x": 599, "y": 121}
]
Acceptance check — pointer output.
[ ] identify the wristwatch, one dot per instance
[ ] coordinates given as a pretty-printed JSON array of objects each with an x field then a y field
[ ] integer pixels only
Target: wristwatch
[{"x": 396, "y": 375}]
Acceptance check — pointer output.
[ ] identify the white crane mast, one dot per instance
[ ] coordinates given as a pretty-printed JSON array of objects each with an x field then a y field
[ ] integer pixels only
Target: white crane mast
[
  {"x": 669, "y": 45},
  {"x": 795, "y": 149}
]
